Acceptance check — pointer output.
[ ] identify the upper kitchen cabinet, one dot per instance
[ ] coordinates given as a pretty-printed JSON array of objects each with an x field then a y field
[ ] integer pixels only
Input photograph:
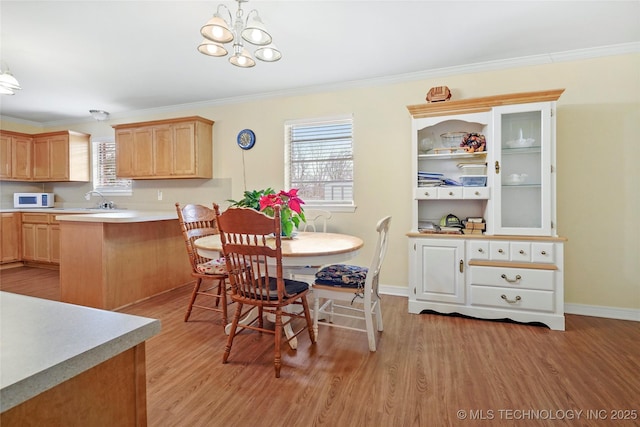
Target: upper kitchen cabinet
[
  {"x": 163, "y": 149},
  {"x": 15, "y": 156},
  {"x": 52, "y": 156},
  {"x": 61, "y": 156}
]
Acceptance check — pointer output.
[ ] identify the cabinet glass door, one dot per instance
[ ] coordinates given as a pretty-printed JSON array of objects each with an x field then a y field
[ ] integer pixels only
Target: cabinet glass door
[{"x": 522, "y": 169}]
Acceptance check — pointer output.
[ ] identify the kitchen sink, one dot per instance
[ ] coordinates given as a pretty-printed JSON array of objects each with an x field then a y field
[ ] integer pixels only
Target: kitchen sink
[{"x": 93, "y": 210}]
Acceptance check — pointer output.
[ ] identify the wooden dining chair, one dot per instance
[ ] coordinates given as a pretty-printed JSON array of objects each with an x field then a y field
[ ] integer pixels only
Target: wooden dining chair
[
  {"x": 211, "y": 275},
  {"x": 350, "y": 283},
  {"x": 251, "y": 244}
]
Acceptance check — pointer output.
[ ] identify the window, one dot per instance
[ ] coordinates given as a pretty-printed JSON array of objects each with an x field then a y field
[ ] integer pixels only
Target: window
[
  {"x": 319, "y": 161},
  {"x": 104, "y": 170}
]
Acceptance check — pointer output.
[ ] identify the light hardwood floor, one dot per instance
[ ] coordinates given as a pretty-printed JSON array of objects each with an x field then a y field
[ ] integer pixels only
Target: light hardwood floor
[{"x": 429, "y": 370}]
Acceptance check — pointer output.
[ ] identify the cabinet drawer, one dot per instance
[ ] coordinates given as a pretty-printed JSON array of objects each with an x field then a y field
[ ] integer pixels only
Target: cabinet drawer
[
  {"x": 426, "y": 193},
  {"x": 499, "y": 251},
  {"x": 475, "y": 192},
  {"x": 449, "y": 192},
  {"x": 520, "y": 251},
  {"x": 478, "y": 249},
  {"x": 518, "y": 299},
  {"x": 512, "y": 277},
  {"x": 543, "y": 252},
  {"x": 35, "y": 218}
]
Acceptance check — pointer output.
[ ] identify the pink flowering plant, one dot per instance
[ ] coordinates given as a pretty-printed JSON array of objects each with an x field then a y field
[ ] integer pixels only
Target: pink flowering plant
[{"x": 291, "y": 211}]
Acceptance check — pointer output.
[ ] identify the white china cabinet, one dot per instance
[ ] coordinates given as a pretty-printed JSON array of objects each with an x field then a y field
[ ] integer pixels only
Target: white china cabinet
[{"x": 513, "y": 269}]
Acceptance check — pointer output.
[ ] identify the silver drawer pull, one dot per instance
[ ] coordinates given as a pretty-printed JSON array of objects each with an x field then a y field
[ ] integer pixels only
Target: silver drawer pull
[
  {"x": 516, "y": 280},
  {"x": 451, "y": 193},
  {"x": 510, "y": 301},
  {"x": 480, "y": 250},
  {"x": 500, "y": 251},
  {"x": 426, "y": 193},
  {"x": 521, "y": 252},
  {"x": 543, "y": 252}
]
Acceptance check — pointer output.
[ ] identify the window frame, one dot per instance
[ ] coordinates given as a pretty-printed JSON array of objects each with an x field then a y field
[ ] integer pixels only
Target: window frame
[
  {"x": 348, "y": 206},
  {"x": 111, "y": 190}
]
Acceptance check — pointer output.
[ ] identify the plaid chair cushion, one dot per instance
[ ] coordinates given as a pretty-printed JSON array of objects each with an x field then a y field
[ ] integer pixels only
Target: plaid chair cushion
[{"x": 342, "y": 275}]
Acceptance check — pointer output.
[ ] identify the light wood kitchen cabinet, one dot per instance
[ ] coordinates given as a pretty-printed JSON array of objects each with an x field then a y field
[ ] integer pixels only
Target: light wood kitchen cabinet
[
  {"x": 134, "y": 152},
  {"x": 15, "y": 156},
  {"x": 10, "y": 231},
  {"x": 40, "y": 238},
  {"x": 53, "y": 156},
  {"x": 61, "y": 156},
  {"x": 173, "y": 148}
]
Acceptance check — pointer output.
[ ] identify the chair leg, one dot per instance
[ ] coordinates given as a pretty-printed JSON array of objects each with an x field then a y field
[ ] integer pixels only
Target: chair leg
[
  {"x": 379, "y": 316},
  {"x": 277, "y": 361},
  {"x": 316, "y": 314},
  {"x": 311, "y": 327},
  {"x": 194, "y": 294},
  {"x": 368, "y": 320},
  {"x": 222, "y": 298},
  {"x": 232, "y": 332}
]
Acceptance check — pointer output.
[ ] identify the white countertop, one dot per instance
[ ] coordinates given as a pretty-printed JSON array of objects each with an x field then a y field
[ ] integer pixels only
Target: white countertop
[
  {"x": 103, "y": 215},
  {"x": 122, "y": 216},
  {"x": 44, "y": 343}
]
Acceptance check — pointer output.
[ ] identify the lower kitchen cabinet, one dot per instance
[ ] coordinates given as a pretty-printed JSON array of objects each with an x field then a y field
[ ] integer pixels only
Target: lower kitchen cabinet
[
  {"x": 10, "y": 231},
  {"x": 492, "y": 277},
  {"x": 40, "y": 238}
]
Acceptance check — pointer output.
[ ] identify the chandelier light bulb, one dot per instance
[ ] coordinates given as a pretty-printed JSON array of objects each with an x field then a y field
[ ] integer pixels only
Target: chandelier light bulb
[
  {"x": 268, "y": 54},
  {"x": 255, "y": 35},
  {"x": 217, "y": 32}
]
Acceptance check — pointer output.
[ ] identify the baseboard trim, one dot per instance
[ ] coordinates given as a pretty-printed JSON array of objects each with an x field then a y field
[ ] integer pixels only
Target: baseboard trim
[
  {"x": 569, "y": 308},
  {"x": 396, "y": 291},
  {"x": 602, "y": 311}
]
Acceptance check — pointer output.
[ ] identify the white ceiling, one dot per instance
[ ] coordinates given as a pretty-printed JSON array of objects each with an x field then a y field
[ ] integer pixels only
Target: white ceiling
[{"x": 128, "y": 56}]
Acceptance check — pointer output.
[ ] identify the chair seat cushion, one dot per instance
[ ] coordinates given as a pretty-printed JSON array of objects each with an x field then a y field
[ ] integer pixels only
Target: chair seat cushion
[
  {"x": 342, "y": 276},
  {"x": 214, "y": 266},
  {"x": 292, "y": 287}
]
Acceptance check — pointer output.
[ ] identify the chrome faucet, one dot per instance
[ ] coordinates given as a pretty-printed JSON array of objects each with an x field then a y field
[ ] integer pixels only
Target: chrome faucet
[{"x": 104, "y": 204}]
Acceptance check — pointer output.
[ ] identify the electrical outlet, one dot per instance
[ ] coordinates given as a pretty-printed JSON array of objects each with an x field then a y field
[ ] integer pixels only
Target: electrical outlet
[{"x": 159, "y": 194}]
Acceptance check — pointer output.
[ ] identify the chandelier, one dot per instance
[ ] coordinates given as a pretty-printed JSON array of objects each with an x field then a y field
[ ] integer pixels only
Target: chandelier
[
  {"x": 8, "y": 83},
  {"x": 218, "y": 31}
]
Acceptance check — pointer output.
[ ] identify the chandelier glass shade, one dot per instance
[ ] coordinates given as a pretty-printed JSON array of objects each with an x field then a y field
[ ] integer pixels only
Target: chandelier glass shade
[
  {"x": 219, "y": 31},
  {"x": 8, "y": 83},
  {"x": 99, "y": 115}
]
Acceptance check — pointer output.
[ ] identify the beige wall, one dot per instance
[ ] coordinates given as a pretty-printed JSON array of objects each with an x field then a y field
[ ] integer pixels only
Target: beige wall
[{"x": 598, "y": 175}]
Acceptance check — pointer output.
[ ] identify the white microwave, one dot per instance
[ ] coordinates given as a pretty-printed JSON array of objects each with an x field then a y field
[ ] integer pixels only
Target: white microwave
[{"x": 33, "y": 200}]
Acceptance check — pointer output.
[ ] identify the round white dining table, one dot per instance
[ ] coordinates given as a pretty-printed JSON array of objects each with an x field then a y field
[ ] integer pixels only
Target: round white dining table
[{"x": 305, "y": 251}]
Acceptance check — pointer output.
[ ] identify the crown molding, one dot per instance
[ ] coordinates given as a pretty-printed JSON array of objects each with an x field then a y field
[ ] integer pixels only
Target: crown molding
[{"x": 525, "y": 61}]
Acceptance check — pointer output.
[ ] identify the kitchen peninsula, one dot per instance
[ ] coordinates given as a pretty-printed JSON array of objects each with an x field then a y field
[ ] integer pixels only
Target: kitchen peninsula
[
  {"x": 113, "y": 259},
  {"x": 63, "y": 364}
]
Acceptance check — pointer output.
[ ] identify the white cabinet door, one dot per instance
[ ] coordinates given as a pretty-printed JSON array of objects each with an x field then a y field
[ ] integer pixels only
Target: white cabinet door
[
  {"x": 520, "y": 170},
  {"x": 437, "y": 270}
]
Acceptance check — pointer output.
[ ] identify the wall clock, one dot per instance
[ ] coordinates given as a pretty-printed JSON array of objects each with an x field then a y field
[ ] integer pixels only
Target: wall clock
[{"x": 246, "y": 139}]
